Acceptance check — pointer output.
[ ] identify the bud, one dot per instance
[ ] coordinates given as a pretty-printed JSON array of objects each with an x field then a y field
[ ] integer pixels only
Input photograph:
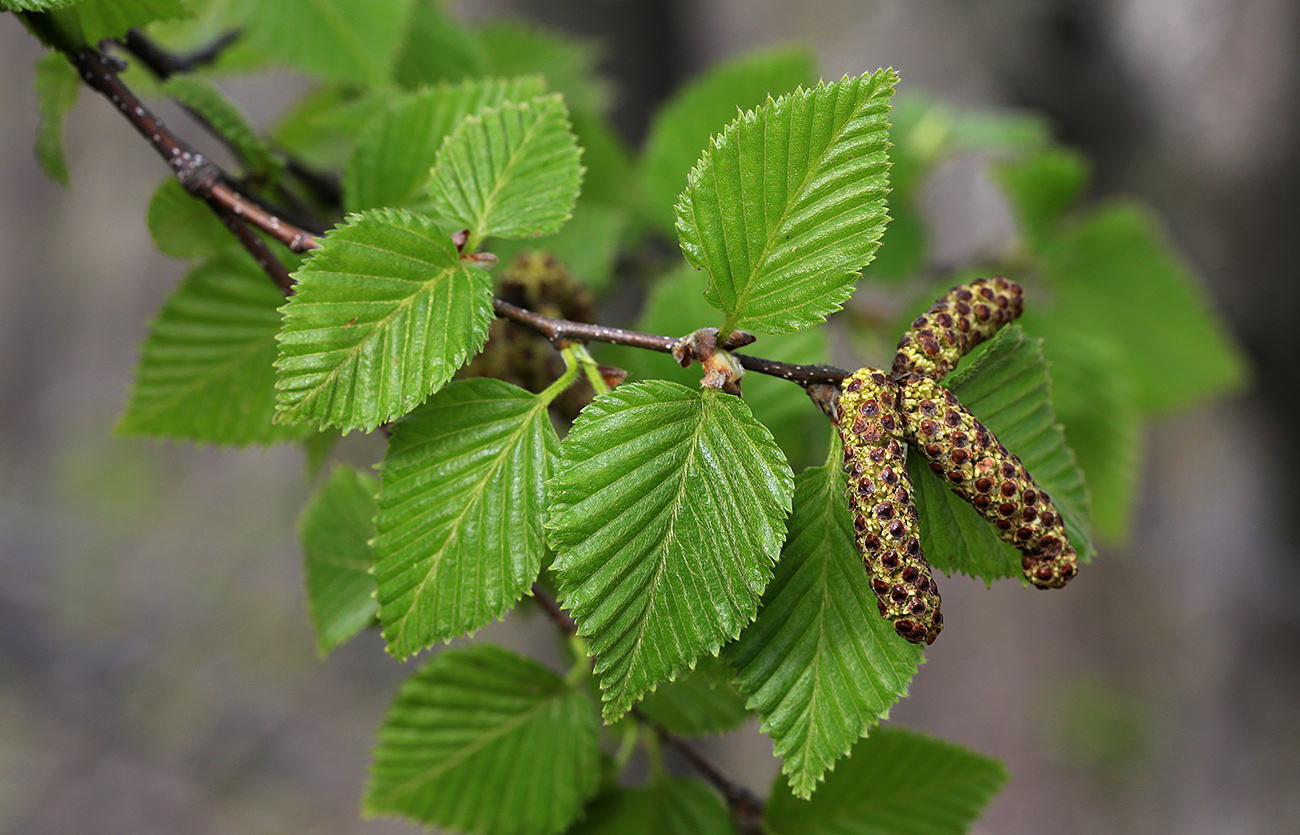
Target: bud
[
  {"x": 978, "y": 468},
  {"x": 962, "y": 318},
  {"x": 880, "y": 497}
]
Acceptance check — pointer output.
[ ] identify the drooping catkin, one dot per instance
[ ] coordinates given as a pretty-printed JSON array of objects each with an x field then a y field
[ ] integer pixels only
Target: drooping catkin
[
  {"x": 979, "y": 469},
  {"x": 959, "y": 320},
  {"x": 885, "y": 526}
]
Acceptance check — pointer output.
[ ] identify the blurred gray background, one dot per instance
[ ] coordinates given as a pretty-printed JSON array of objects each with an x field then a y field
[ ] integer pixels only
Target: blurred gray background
[{"x": 157, "y": 673}]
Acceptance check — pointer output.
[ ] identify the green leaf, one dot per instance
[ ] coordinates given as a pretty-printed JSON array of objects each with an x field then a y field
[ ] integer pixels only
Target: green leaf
[
  {"x": 460, "y": 512},
  {"x": 570, "y": 65},
  {"x": 896, "y": 782},
  {"x": 100, "y": 19},
  {"x": 36, "y": 6},
  {"x": 342, "y": 40},
  {"x": 1042, "y": 188},
  {"x": 510, "y": 171},
  {"x": 670, "y": 806},
  {"x": 184, "y": 227},
  {"x": 205, "y": 370},
  {"x": 57, "y": 85},
  {"x": 683, "y": 126},
  {"x": 667, "y": 512},
  {"x": 384, "y": 314},
  {"x": 482, "y": 740},
  {"x": 788, "y": 204},
  {"x": 1115, "y": 271},
  {"x": 390, "y": 165},
  {"x": 702, "y": 701},
  {"x": 335, "y": 531},
  {"x": 819, "y": 664},
  {"x": 438, "y": 49},
  {"x": 1007, "y": 388},
  {"x": 203, "y": 98},
  {"x": 588, "y": 245}
]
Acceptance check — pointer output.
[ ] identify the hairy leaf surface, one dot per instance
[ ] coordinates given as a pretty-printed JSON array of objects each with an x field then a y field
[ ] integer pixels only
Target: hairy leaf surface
[
  {"x": 670, "y": 806},
  {"x": 335, "y": 531},
  {"x": 390, "y": 165},
  {"x": 460, "y": 511},
  {"x": 683, "y": 126},
  {"x": 205, "y": 371},
  {"x": 819, "y": 664},
  {"x": 1007, "y": 388},
  {"x": 384, "y": 314},
  {"x": 788, "y": 203},
  {"x": 483, "y": 740},
  {"x": 668, "y": 509},
  {"x": 896, "y": 782},
  {"x": 510, "y": 171},
  {"x": 57, "y": 85}
]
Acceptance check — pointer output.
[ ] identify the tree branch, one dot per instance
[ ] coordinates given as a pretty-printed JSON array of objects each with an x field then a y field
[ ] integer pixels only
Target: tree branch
[{"x": 165, "y": 64}]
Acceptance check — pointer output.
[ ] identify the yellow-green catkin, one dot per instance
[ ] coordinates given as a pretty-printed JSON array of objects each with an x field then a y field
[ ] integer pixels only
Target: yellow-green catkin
[
  {"x": 962, "y": 318},
  {"x": 885, "y": 526},
  {"x": 979, "y": 469}
]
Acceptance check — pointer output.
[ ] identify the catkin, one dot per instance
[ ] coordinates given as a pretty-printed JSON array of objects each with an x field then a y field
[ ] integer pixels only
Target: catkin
[
  {"x": 979, "y": 469},
  {"x": 962, "y": 318},
  {"x": 880, "y": 496}
]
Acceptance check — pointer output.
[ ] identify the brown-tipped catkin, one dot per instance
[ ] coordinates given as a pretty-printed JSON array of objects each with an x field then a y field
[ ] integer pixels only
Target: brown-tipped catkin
[
  {"x": 880, "y": 497},
  {"x": 962, "y": 318}
]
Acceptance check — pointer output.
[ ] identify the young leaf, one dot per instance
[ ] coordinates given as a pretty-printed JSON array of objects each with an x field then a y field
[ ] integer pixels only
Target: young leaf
[
  {"x": 819, "y": 664},
  {"x": 460, "y": 511},
  {"x": 57, "y": 86},
  {"x": 1115, "y": 271},
  {"x": 668, "y": 509},
  {"x": 1007, "y": 389},
  {"x": 569, "y": 64},
  {"x": 384, "y": 314},
  {"x": 438, "y": 49},
  {"x": 896, "y": 782},
  {"x": 205, "y": 371},
  {"x": 482, "y": 740},
  {"x": 788, "y": 203},
  {"x": 510, "y": 171},
  {"x": 670, "y": 806},
  {"x": 702, "y": 701},
  {"x": 335, "y": 531},
  {"x": 202, "y": 97},
  {"x": 683, "y": 126},
  {"x": 342, "y": 40},
  {"x": 184, "y": 227},
  {"x": 390, "y": 165}
]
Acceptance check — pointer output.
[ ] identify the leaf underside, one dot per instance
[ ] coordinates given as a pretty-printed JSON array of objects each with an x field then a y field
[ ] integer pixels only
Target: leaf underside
[
  {"x": 460, "y": 534},
  {"x": 335, "y": 531},
  {"x": 667, "y": 512},
  {"x": 788, "y": 204},
  {"x": 384, "y": 314}
]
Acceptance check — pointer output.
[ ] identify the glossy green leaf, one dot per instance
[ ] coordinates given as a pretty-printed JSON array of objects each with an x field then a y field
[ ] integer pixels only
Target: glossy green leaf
[
  {"x": 670, "y": 806},
  {"x": 342, "y": 40},
  {"x": 668, "y": 510},
  {"x": 1007, "y": 388},
  {"x": 460, "y": 511},
  {"x": 384, "y": 314},
  {"x": 335, "y": 531},
  {"x": 510, "y": 171},
  {"x": 788, "y": 204},
  {"x": 57, "y": 85},
  {"x": 210, "y": 104},
  {"x": 819, "y": 664},
  {"x": 682, "y": 127},
  {"x": 183, "y": 226},
  {"x": 702, "y": 701},
  {"x": 482, "y": 740},
  {"x": 1115, "y": 271},
  {"x": 391, "y": 162},
  {"x": 896, "y": 782},
  {"x": 205, "y": 371}
]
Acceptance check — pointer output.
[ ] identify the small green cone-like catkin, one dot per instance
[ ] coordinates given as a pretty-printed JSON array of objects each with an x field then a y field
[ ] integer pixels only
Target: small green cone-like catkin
[
  {"x": 880, "y": 495},
  {"x": 978, "y": 468},
  {"x": 962, "y": 318}
]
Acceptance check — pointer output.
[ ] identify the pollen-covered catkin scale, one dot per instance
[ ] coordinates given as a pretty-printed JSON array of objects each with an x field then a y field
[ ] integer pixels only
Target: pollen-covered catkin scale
[
  {"x": 962, "y": 318},
  {"x": 978, "y": 468},
  {"x": 880, "y": 497}
]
